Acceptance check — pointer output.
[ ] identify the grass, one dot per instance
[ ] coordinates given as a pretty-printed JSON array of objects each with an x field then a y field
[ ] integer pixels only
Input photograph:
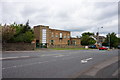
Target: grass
[{"x": 68, "y": 48}]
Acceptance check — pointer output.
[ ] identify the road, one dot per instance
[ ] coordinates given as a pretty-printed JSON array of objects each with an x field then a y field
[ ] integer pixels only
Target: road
[{"x": 52, "y": 63}]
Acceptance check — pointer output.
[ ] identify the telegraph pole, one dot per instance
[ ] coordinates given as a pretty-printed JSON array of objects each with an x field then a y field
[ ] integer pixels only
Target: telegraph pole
[
  {"x": 109, "y": 40},
  {"x": 98, "y": 35}
]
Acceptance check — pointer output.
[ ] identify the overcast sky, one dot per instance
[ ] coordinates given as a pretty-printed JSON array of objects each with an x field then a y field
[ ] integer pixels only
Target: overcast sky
[{"x": 77, "y": 16}]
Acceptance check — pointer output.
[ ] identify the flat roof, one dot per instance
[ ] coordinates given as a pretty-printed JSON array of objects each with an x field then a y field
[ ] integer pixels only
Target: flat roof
[
  {"x": 51, "y": 29},
  {"x": 41, "y": 26},
  {"x": 59, "y": 30}
]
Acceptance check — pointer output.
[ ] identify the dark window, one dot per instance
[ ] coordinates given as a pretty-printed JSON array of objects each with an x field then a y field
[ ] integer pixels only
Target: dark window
[
  {"x": 37, "y": 44},
  {"x": 68, "y": 42},
  {"x": 52, "y": 42},
  {"x": 37, "y": 41}
]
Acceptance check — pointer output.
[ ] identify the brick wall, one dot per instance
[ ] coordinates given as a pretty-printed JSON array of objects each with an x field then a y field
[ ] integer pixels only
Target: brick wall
[
  {"x": 17, "y": 46},
  {"x": 56, "y": 36},
  {"x": 77, "y": 41}
]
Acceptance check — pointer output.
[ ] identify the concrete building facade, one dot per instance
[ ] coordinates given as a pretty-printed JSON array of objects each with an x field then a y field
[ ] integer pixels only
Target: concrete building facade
[{"x": 48, "y": 37}]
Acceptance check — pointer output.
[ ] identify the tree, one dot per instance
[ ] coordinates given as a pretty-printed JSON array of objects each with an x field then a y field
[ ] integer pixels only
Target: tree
[
  {"x": 7, "y": 33},
  {"x": 28, "y": 36},
  {"x": 26, "y": 27},
  {"x": 87, "y": 33},
  {"x": 111, "y": 40},
  {"x": 86, "y": 39},
  {"x": 22, "y": 33}
]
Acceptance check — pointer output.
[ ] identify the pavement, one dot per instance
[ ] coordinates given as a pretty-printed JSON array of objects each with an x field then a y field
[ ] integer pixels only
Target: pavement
[{"x": 57, "y": 63}]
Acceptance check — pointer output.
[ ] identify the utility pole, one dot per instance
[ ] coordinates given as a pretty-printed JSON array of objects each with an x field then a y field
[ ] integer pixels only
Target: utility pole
[
  {"x": 109, "y": 40},
  {"x": 98, "y": 42}
]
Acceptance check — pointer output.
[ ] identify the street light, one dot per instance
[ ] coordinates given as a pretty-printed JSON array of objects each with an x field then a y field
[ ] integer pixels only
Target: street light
[
  {"x": 98, "y": 35},
  {"x": 109, "y": 40}
]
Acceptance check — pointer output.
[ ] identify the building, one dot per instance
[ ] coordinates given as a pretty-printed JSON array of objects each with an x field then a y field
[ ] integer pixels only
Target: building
[
  {"x": 99, "y": 39},
  {"x": 47, "y": 37}
]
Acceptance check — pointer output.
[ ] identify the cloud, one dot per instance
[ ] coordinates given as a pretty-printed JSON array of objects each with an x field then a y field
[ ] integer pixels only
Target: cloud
[{"x": 73, "y": 15}]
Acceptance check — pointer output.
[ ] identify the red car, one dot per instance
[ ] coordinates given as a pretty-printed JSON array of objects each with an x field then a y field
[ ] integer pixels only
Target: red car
[{"x": 103, "y": 48}]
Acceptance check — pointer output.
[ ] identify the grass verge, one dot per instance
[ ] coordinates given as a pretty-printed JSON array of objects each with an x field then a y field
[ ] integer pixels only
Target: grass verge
[{"x": 69, "y": 49}]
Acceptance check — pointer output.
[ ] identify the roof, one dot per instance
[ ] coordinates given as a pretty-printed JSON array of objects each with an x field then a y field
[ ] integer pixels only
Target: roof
[
  {"x": 58, "y": 30},
  {"x": 41, "y": 26}
]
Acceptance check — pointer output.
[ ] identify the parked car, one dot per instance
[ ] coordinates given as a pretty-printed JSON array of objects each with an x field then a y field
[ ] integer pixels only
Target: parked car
[
  {"x": 103, "y": 48},
  {"x": 92, "y": 46}
]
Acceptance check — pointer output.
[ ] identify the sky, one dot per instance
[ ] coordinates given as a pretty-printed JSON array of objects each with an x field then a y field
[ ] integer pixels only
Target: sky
[{"x": 77, "y": 16}]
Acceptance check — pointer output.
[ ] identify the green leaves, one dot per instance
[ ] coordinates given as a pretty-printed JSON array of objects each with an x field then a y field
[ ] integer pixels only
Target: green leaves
[
  {"x": 87, "y": 40},
  {"x": 18, "y": 33},
  {"x": 7, "y": 33},
  {"x": 111, "y": 40},
  {"x": 87, "y": 33},
  {"x": 28, "y": 36}
]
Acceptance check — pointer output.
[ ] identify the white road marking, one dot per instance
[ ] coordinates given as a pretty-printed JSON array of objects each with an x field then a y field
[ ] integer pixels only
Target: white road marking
[
  {"x": 85, "y": 60},
  {"x": 89, "y": 59},
  {"x": 54, "y": 55},
  {"x": 14, "y": 57},
  {"x": 25, "y": 56},
  {"x": 49, "y": 54},
  {"x": 28, "y": 64},
  {"x": 59, "y": 55},
  {"x": 37, "y": 63}
]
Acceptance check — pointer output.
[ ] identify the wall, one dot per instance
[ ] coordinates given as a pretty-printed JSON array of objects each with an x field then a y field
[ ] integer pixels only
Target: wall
[
  {"x": 17, "y": 46},
  {"x": 77, "y": 40},
  {"x": 57, "y": 40},
  {"x": 37, "y": 32}
]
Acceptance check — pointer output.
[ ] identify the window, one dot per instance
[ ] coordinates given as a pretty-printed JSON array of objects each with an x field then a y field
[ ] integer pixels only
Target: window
[
  {"x": 60, "y": 35},
  {"x": 68, "y": 42},
  {"x": 68, "y": 36},
  {"x": 43, "y": 35},
  {"x": 52, "y": 42},
  {"x": 56, "y": 35},
  {"x": 52, "y": 35},
  {"x": 73, "y": 42},
  {"x": 64, "y": 36}
]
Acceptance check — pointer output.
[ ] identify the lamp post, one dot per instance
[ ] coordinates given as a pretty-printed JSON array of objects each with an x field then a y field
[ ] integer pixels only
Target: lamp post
[
  {"x": 98, "y": 42},
  {"x": 109, "y": 40}
]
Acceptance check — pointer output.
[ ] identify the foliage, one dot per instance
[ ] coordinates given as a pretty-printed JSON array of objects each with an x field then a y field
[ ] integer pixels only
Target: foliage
[
  {"x": 111, "y": 40},
  {"x": 86, "y": 39},
  {"x": 7, "y": 33},
  {"x": 28, "y": 36},
  {"x": 22, "y": 33},
  {"x": 25, "y": 37},
  {"x": 87, "y": 33}
]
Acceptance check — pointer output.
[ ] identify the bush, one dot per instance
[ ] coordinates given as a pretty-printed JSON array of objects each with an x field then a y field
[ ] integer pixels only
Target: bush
[{"x": 18, "y": 33}]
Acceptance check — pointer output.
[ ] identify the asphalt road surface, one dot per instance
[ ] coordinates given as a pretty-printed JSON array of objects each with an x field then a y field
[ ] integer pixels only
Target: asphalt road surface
[{"x": 52, "y": 63}]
